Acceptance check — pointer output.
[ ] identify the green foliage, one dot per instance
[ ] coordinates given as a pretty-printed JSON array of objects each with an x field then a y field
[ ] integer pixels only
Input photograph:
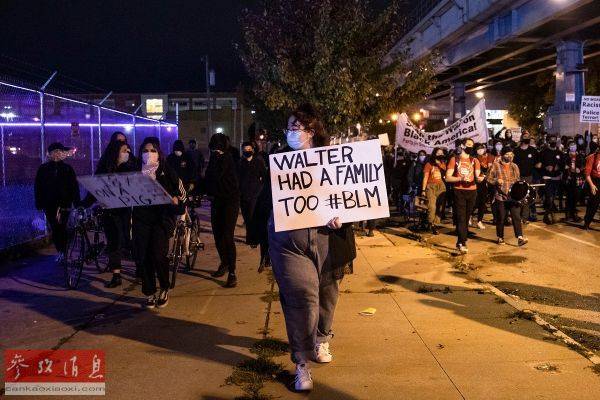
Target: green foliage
[
  {"x": 339, "y": 55},
  {"x": 528, "y": 104}
]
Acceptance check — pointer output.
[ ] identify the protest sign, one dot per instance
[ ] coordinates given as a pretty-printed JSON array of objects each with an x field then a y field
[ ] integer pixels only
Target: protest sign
[
  {"x": 384, "y": 139},
  {"x": 473, "y": 126},
  {"x": 310, "y": 187},
  {"x": 590, "y": 109},
  {"x": 131, "y": 189}
]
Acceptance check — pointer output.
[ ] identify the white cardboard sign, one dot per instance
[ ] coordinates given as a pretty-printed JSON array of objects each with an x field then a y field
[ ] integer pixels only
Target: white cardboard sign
[
  {"x": 310, "y": 187},
  {"x": 590, "y": 109},
  {"x": 130, "y": 189}
]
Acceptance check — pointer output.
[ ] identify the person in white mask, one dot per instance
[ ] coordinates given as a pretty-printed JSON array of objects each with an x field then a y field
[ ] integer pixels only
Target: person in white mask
[
  {"x": 154, "y": 225},
  {"x": 309, "y": 264},
  {"x": 115, "y": 159}
]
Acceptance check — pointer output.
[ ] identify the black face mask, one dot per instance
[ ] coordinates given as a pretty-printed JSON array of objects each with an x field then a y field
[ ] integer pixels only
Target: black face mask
[
  {"x": 526, "y": 141},
  {"x": 552, "y": 144},
  {"x": 248, "y": 153},
  {"x": 469, "y": 150}
]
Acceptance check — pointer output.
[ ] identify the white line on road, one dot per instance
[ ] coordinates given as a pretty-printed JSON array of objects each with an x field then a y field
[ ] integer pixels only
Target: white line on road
[
  {"x": 565, "y": 236},
  {"x": 205, "y": 306}
]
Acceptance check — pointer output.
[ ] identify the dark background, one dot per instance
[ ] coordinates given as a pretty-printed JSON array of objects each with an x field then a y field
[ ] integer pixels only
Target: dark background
[{"x": 125, "y": 45}]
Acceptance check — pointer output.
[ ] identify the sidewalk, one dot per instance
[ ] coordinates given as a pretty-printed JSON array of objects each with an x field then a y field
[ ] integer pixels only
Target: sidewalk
[{"x": 434, "y": 335}]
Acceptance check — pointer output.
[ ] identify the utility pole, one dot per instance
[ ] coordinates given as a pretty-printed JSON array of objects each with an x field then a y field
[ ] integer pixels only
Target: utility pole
[{"x": 208, "y": 102}]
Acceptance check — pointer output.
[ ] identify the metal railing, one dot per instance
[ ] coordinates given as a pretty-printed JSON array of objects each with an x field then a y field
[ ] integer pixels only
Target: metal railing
[{"x": 32, "y": 119}]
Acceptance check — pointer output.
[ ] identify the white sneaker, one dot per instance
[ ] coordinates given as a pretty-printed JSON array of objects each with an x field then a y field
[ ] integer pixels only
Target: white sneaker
[
  {"x": 303, "y": 380},
  {"x": 480, "y": 225},
  {"x": 462, "y": 248},
  {"x": 322, "y": 354},
  {"x": 470, "y": 221}
]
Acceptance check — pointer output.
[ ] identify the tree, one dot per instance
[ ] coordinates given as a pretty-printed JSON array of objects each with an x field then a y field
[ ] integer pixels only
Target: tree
[
  {"x": 528, "y": 104},
  {"x": 339, "y": 55}
]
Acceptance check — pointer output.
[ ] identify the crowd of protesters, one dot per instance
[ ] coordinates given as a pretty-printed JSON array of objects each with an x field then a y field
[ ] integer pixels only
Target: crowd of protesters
[
  {"x": 309, "y": 264},
  {"x": 467, "y": 182}
]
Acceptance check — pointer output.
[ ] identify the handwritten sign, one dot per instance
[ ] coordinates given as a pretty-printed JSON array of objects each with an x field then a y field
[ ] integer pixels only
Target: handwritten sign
[
  {"x": 310, "y": 187},
  {"x": 131, "y": 189}
]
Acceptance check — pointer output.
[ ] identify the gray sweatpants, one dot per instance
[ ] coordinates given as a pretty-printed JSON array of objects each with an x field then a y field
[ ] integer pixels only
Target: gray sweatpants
[{"x": 308, "y": 301}]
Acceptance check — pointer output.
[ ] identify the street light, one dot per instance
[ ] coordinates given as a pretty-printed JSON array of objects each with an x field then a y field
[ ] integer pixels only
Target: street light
[
  {"x": 479, "y": 95},
  {"x": 417, "y": 116},
  {"x": 394, "y": 117},
  {"x": 219, "y": 130}
]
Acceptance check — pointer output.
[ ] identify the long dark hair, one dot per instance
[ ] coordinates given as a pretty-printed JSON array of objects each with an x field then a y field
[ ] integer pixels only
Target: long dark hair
[
  {"x": 109, "y": 160},
  {"x": 153, "y": 140},
  {"x": 308, "y": 116}
]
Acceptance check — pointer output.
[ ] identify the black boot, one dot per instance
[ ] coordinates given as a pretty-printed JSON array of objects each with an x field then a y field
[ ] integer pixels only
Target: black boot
[
  {"x": 114, "y": 282},
  {"x": 231, "y": 281},
  {"x": 220, "y": 272}
]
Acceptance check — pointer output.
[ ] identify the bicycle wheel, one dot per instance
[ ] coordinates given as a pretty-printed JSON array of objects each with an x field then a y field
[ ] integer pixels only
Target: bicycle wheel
[
  {"x": 96, "y": 251},
  {"x": 175, "y": 258},
  {"x": 194, "y": 246},
  {"x": 74, "y": 259}
]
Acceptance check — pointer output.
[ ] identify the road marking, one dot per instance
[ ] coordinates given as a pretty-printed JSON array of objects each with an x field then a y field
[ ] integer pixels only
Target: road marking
[
  {"x": 565, "y": 236},
  {"x": 205, "y": 306}
]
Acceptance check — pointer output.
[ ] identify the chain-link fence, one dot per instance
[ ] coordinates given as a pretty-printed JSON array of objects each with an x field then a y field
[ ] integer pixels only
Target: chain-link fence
[{"x": 29, "y": 121}]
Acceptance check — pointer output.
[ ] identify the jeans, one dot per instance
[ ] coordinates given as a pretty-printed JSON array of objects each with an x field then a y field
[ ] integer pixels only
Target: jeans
[
  {"x": 223, "y": 218},
  {"x": 550, "y": 192},
  {"x": 436, "y": 194},
  {"x": 464, "y": 203},
  {"x": 504, "y": 207},
  {"x": 298, "y": 258}
]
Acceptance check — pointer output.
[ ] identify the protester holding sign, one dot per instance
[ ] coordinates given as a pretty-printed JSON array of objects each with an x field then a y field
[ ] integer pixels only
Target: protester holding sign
[
  {"x": 115, "y": 159},
  {"x": 154, "y": 225},
  {"x": 308, "y": 265},
  {"x": 463, "y": 171}
]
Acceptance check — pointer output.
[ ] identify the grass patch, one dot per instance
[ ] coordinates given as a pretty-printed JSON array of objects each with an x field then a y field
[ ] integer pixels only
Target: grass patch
[
  {"x": 269, "y": 347},
  {"x": 270, "y": 297},
  {"x": 251, "y": 375},
  {"x": 429, "y": 289},
  {"x": 521, "y": 314},
  {"x": 382, "y": 291}
]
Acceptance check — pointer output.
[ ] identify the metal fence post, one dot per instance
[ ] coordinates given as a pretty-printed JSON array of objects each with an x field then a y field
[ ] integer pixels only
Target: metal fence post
[
  {"x": 159, "y": 133},
  {"x": 99, "y": 131},
  {"x": 3, "y": 156},
  {"x": 92, "y": 148},
  {"x": 42, "y": 128}
]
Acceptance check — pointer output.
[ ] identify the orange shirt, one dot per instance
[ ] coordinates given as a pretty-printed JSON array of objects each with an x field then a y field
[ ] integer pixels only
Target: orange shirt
[
  {"x": 465, "y": 168},
  {"x": 434, "y": 173},
  {"x": 592, "y": 165}
]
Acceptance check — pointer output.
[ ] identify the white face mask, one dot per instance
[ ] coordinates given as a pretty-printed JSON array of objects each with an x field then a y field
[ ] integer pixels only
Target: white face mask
[
  {"x": 481, "y": 151},
  {"x": 498, "y": 148},
  {"x": 422, "y": 159},
  {"x": 573, "y": 149},
  {"x": 294, "y": 140},
  {"x": 150, "y": 158},
  {"x": 178, "y": 153},
  {"x": 123, "y": 157}
]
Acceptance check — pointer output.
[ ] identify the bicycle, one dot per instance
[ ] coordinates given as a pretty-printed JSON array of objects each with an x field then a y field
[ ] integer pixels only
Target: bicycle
[
  {"x": 186, "y": 240},
  {"x": 80, "y": 250}
]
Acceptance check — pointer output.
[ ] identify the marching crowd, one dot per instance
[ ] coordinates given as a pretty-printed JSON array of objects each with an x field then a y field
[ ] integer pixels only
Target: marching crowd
[
  {"x": 503, "y": 176},
  {"x": 309, "y": 264}
]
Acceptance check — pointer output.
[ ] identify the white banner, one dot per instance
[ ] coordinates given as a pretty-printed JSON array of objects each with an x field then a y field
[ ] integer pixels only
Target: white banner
[
  {"x": 590, "y": 109},
  {"x": 131, "y": 189},
  {"x": 473, "y": 125},
  {"x": 310, "y": 187}
]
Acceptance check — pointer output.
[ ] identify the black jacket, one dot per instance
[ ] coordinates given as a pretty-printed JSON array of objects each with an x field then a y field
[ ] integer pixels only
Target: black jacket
[
  {"x": 526, "y": 160},
  {"x": 56, "y": 186},
  {"x": 184, "y": 166},
  {"x": 220, "y": 179},
  {"x": 163, "y": 215},
  {"x": 253, "y": 175}
]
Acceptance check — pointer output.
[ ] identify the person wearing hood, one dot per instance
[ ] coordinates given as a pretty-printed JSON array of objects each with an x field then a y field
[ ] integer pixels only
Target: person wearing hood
[
  {"x": 56, "y": 190},
  {"x": 463, "y": 172},
  {"x": 183, "y": 165},
  {"x": 526, "y": 157},
  {"x": 252, "y": 173},
  {"x": 594, "y": 143},
  {"x": 308, "y": 265},
  {"x": 222, "y": 185}
]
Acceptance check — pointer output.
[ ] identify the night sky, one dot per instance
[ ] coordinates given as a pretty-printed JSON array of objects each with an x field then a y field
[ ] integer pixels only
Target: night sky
[{"x": 127, "y": 45}]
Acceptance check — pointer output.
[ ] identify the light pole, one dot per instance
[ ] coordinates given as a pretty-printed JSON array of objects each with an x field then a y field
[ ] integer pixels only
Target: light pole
[{"x": 208, "y": 105}]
